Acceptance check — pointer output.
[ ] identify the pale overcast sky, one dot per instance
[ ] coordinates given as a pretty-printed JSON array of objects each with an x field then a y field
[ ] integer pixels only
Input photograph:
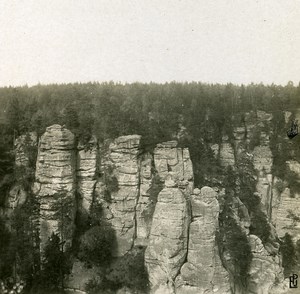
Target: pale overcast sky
[{"x": 238, "y": 41}]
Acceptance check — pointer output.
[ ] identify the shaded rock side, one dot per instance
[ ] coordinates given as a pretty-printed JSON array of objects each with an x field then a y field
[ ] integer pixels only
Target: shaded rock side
[
  {"x": 86, "y": 173},
  {"x": 25, "y": 150},
  {"x": 22, "y": 147},
  {"x": 118, "y": 189},
  {"x": 146, "y": 205},
  {"x": 168, "y": 240},
  {"x": 203, "y": 271},
  {"x": 55, "y": 183}
]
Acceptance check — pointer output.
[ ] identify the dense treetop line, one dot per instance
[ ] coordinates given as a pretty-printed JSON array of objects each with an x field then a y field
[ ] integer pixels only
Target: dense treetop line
[{"x": 154, "y": 111}]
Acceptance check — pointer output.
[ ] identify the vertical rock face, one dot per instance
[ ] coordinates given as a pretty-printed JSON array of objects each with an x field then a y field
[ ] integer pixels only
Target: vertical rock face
[
  {"x": 86, "y": 172},
  {"x": 55, "y": 182},
  {"x": 286, "y": 208},
  {"x": 119, "y": 189},
  {"x": 21, "y": 144},
  {"x": 226, "y": 153},
  {"x": 145, "y": 204},
  {"x": 287, "y": 215},
  {"x": 25, "y": 147},
  {"x": 150, "y": 200},
  {"x": 203, "y": 272},
  {"x": 168, "y": 242},
  {"x": 169, "y": 158},
  {"x": 263, "y": 161},
  {"x": 265, "y": 270}
]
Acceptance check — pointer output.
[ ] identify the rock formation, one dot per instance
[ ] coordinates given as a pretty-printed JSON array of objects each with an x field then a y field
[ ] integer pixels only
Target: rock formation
[
  {"x": 55, "y": 183},
  {"x": 149, "y": 200},
  {"x": 265, "y": 270},
  {"x": 169, "y": 158},
  {"x": 168, "y": 242},
  {"x": 145, "y": 206},
  {"x": 25, "y": 148},
  {"x": 86, "y": 173},
  {"x": 203, "y": 272},
  {"x": 226, "y": 153},
  {"x": 118, "y": 189}
]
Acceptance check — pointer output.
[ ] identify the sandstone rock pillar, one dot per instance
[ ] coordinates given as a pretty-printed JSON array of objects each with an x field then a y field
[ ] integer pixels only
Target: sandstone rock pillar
[
  {"x": 55, "y": 183},
  {"x": 168, "y": 240}
]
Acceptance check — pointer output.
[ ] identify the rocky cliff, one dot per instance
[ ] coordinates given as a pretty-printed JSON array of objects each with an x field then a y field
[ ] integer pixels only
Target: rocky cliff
[
  {"x": 55, "y": 183},
  {"x": 149, "y": 200}
]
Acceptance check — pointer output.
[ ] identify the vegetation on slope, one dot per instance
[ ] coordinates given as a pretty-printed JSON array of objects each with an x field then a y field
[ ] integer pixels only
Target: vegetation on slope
[{"x": 208, "y": 112}]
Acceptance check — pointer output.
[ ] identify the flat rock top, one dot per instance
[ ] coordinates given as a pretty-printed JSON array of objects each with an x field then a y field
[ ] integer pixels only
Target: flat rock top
[
  {"x": 57, "y": 137},
  {"x": 124, "y": 139},
  {"x": 168, "y": 144}
]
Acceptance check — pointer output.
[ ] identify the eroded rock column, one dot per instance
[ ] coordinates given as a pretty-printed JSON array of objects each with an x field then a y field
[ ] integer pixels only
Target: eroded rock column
[
  {"x": 203, "y": 271},
  {"x": 118, "y": 189},
  {"x": 55, "y": 183},
  {"x": 168, "y": 239},
  {"x": 86, "y": 173}
]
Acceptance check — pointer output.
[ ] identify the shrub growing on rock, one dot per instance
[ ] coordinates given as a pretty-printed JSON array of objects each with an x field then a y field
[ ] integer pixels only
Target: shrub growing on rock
[{"x": 96, "y": 246}]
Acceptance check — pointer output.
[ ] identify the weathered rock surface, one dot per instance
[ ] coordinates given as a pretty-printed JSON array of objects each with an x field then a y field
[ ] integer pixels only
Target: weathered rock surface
[
  {"x": 170, "y": 158},
  {"x": 227, "y": 154},
  {"x": 25, "y": 147},
  {"x": 168, "y": 241},
  {"x": 22, "y": 145},
  {"x": 145, "y": 206},
  {"x": 120, "y": 181},
  {"x": 286, "y": 216},
  {"x": 263, "y": 161},
  {"x": 266, "y": 274},
  {"x": 86, "y": 172},
  {"x": 203, "y": 272},
  {"x": 55, "y": 182}
]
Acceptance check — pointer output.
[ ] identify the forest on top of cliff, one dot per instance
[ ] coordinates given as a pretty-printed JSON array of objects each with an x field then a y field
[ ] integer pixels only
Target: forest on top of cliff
[
  {"x": 197, "y": 115},
  {"x": 158, "y": 112}
]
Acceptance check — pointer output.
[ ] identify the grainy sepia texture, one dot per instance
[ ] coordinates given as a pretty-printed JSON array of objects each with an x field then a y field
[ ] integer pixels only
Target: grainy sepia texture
[{"x": 149, "y": 147}]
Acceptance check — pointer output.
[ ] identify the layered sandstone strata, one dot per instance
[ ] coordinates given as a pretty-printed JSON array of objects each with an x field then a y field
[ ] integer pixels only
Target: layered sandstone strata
[
  {"x": 168, "y": 241},
  {"x": 203, "y": 271},
  {"x": 55, "y": 183},
  {"x": 118, "y": 189},
  {"x": 86, "y": 173}
]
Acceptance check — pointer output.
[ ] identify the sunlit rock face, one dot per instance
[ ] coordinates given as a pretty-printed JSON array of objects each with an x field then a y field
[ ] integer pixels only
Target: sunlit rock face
[
  {"x": 168, "y": 239},
  {"x": 226, "y": 153},
  {"x": 55, "y": 183},
  {"x": 170, "y": 158},
  {"x": 149, "y": 199},
  {"x": 118, "y": 189},
  {"x": 286, "y": 208},
  {"x": 203, "y": 271},
  {"x": 86, "y": 173},
  {"x": 263, "y": 161},
  {"x": 167, "y": 158},
  {"x": 287, "y": 215},
  {"x": 266, "y": 275}
]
